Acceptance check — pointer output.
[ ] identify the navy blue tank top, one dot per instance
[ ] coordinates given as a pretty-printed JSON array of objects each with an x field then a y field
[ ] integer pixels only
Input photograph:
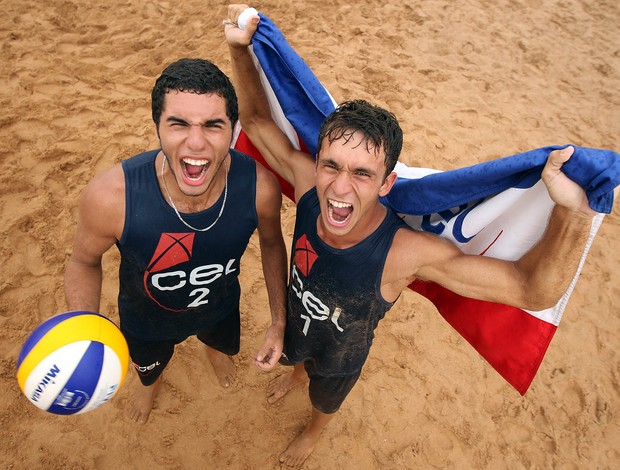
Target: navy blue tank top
[
  {"x": 175, "y": 282},
  {"x": 334, "y": 295}
]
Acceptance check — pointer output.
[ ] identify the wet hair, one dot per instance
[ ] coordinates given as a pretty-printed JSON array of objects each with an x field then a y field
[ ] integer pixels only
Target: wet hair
[
  {"x": 195, "y": 76},
  {"x": 379, "y": 127}
]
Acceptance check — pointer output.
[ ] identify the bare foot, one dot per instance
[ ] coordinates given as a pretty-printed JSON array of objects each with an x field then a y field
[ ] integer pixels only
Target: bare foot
[
  {"x": 224, "y": 367},
  {"x": 302, "y": 446},
  {"x": 282, "y": 384},
  {"x": 142, "y": 401},
  {"x": 298, "y": 451}
]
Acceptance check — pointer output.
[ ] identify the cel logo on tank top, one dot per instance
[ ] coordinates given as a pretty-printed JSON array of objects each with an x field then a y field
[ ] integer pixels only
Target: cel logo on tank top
[
  {"x": 179, "y": 290},
  {"x": 305, "y": 256}
]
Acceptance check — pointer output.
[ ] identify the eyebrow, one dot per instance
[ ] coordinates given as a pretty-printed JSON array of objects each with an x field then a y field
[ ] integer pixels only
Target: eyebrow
[
  {"x": 208, "y": 122},
  {"x": 327, "y": 160},
  {"x": 337, "y": 165}
]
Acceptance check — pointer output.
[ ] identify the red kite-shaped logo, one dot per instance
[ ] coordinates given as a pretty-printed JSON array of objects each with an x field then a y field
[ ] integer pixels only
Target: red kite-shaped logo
[
  {"x": 305, "y": 256},
  {"x": 173, "y": 249}
]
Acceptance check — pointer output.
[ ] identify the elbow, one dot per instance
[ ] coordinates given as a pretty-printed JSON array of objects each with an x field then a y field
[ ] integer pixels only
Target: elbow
[
  {"x": 254, "y": 118},
  {"x": 540, "y": 301},
  {"x": 536, "y": 292},
  {"x": 246, "y": 122},
  {"x": 251, "y": 124},
  {"x": 531, "y": 294}
]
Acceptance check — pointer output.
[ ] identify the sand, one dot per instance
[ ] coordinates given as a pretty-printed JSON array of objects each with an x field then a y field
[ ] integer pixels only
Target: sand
[{"x": 469, "y": 81}]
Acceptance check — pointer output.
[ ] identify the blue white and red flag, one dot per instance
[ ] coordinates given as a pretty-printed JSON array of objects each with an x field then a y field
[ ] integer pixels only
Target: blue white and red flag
[{"x": 498, "y": 208}]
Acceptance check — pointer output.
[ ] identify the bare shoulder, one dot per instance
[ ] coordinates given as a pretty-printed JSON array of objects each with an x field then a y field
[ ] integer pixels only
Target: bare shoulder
[
  {"x": 266, "y": 182},
  {"x": 406, "y": 239},
  {"x": 268, "y": 192},
  {"x": 411, "y": 251},
  {"x": 102, "y": 202},
  {"x": 106, "y": 187},
  {"x": 304, "y": 170},
  {"x": 265, "y": 179}
]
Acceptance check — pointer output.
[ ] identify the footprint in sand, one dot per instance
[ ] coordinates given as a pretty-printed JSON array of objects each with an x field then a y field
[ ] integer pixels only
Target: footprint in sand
[
  {"x": 437, "y": 447},
  {"x": 26, "y": 254},
  {"x": 467, "y": 118},
  {"x": 466, "y": 48},
  {"x": 516, "y": 434},
  {"x": 574, "y": 400}
]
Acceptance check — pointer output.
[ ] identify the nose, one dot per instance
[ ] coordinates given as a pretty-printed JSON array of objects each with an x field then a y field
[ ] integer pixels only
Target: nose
[
  {"x": 195, "y": 137},
  {"x": 342, "y": 182}
]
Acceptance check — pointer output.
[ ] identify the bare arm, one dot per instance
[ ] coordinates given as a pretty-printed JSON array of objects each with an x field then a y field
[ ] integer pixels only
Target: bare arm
[
  {"x": 294, "y": 166},
  {"x": 100, "y": 221},
  {"x": 536, "y": 281},
  {"x": 273, "y": 256}
]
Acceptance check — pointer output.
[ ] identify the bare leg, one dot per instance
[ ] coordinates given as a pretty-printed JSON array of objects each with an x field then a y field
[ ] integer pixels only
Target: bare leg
[
  {"x": 303, "y": 445},
  {"x": 223, "y": 366},
  {"x": 282, "y": 384},
  {"x": 142, "y": 401}
]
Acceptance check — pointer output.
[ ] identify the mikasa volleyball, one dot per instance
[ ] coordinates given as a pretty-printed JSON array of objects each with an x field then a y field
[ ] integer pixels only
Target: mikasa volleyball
[{"x": 72, "y": 363}]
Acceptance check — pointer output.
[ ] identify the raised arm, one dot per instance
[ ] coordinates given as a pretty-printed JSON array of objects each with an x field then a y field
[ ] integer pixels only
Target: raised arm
[
  {"x": 294, "y": 166},
  {"x": 536, "y": 281},
  {"x": 100, "y": 222}
]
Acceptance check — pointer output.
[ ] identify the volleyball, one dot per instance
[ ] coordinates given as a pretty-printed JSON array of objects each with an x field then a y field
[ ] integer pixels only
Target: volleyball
[{"x": 72, "y": 363}]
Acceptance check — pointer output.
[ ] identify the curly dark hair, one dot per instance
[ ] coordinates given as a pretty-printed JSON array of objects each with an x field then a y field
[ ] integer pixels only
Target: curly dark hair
[
  {"x": 379, "y": 127},
  {"x": 196, "y": 76}
]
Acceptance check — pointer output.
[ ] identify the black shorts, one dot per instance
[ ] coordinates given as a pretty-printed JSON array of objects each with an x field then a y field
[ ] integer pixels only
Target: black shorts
[
  {"x": 326, "y": 393},
  {"x": 150, "y": 358}
]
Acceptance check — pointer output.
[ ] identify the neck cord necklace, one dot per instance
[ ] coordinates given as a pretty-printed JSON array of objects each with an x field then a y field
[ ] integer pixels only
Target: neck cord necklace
[{"x": 163, "y": 164}]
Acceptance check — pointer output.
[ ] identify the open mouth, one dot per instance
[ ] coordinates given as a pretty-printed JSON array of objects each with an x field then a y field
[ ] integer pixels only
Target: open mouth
[
  {"x": 339, "y": 212},
  {"x": 194, "y": 170}
]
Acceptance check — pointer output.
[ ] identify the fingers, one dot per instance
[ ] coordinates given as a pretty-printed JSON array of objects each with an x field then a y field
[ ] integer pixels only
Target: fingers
[
  {"x": 266, "y": 360},
  {"x": 240, "y": 26},
  {"x": 252, "y": 25},
  {"x": 269, "y": 354},
  {"x": 555, "y": 161},
  {"x": 242, "y": 17},
  {"x": 234, "y": 10},
  {"x": 558, "y": 157},
  {"x": 266, "y": 366},
  {"x": 562, "y": 190},
  {"x": 266, "y": 363}
]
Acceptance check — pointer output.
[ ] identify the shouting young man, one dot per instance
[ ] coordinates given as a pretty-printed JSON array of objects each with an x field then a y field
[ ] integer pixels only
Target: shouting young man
[{"x": 182, "y": 216}]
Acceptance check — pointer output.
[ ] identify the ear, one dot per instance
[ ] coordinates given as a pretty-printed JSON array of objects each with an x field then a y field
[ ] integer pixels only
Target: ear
[{"x": 388, "y": 184}]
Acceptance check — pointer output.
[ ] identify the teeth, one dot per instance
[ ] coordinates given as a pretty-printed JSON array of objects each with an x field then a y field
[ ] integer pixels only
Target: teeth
[
  {"x": 191, "y": 161},
  {"x": 330, "y": 214},
  {"x": 340, "y": 205}
]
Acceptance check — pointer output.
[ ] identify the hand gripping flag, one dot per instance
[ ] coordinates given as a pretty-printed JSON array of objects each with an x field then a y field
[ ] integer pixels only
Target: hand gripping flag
[
  {"x": 498, "y": 208},
  {"x": 299, "y": 102}
]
